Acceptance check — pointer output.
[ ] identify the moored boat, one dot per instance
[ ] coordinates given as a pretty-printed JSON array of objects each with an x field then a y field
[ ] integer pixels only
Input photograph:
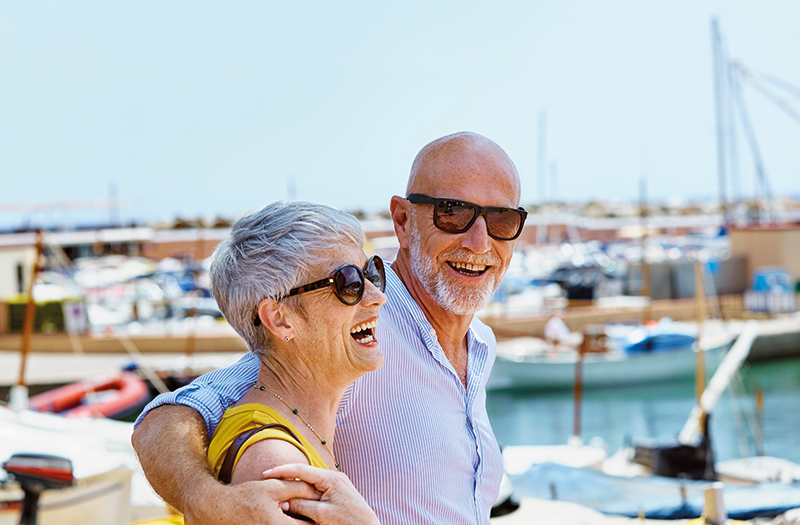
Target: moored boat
[
  {"x": 117, "y": 396},
  {"x": 528, "y": 363}
]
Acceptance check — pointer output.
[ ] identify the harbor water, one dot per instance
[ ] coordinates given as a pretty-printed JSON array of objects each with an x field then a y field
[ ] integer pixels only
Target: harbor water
[{"x": 658, "y": 412}]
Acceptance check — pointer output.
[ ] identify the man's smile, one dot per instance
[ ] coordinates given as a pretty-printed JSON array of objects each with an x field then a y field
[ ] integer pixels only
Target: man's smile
[{"x": 468, "y": 269}]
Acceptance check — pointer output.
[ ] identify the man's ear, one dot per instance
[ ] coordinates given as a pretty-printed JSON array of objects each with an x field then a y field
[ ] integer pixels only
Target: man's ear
[
  {"x": 401, "y": 214},
  {"x": 273, "y": 316}
]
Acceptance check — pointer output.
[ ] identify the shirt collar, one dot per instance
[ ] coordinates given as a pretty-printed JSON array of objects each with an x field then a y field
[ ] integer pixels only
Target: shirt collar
[{"x": 400, "y": 295}]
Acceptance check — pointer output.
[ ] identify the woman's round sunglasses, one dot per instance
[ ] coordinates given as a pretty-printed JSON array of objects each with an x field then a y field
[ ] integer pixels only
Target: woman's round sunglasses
[
  {"x": 454, "y": 216},
  {"x": 348, "y": 282}
]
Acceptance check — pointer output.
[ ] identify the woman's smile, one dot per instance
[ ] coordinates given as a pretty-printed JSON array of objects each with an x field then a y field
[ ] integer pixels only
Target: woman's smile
[{"x": 364, "y": 333}]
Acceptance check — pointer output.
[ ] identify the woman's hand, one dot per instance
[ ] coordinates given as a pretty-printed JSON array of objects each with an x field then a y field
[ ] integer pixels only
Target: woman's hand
[{"x": 339, "y": 504}]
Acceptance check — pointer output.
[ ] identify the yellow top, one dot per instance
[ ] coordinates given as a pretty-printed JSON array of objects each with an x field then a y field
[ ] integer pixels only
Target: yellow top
[
  {"x": 174, "y": 519},
  {"x": 239, "y": 419}
]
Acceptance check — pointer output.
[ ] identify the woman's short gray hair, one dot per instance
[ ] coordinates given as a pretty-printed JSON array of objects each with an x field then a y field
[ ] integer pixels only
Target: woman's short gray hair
[{"x": 270, "y": 252}]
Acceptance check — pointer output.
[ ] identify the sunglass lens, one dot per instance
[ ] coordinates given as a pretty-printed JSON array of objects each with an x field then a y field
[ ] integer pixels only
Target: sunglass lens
[
  {"x": 376, "y": 274},
  {"x": 349, "y": 284},
  {"x": 503, "y": 224},
  {"x": 454, "y": 216}
]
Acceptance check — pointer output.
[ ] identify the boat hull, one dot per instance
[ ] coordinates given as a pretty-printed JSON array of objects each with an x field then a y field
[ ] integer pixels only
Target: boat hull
[
  {"x": 598, "y": 370},
  {"x": 117, "y": 396}
]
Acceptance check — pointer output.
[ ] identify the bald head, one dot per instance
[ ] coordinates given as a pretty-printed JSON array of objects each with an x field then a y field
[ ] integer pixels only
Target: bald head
[
  {"x": 451, "y": 271},
  {"x": 460, "y": 160}
]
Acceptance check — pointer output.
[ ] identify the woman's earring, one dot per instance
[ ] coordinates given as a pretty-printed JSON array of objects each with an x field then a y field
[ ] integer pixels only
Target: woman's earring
[{"x": 286, "y": 338}]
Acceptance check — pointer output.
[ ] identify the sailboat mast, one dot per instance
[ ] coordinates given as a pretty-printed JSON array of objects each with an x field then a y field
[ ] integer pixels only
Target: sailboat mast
[
  {"x": 30, "y": 311},
  {"x": 647, "y": 313},
  {"x": 719, "y": 79},
  {"x": 541, "y": 157},
  {"x": 541, "y": 154}
]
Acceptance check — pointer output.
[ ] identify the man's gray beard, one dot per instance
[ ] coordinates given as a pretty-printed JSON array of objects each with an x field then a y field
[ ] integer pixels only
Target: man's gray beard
[{"x": 459, "y": 300}]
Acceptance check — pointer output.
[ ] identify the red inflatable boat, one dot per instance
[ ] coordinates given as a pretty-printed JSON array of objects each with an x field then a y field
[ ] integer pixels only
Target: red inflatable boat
[{"x": 118, "y": 396}]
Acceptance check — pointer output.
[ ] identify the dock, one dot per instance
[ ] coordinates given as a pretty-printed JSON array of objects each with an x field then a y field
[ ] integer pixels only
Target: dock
[{"x": 218, "y": 337}]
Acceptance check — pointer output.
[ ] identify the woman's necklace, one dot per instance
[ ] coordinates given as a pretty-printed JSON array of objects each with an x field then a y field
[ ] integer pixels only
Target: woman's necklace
[{"x": 297, "y": 413}]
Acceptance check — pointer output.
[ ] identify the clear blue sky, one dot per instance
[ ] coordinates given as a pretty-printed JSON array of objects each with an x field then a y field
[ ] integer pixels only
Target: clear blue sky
[{"x": 204, "y": 108}]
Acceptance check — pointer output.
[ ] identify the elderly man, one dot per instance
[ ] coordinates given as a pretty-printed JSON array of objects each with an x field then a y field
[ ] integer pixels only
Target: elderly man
[{"x": 414, "y": 436}]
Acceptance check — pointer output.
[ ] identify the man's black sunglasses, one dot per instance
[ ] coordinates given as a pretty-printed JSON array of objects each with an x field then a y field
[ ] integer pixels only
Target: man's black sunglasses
[
  {"x": 454, "y": 216},
  {"x": 348, "y": 282}
]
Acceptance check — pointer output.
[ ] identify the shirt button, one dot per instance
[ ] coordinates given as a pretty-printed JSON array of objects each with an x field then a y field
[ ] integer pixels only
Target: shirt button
[{"x": 433, "y": 333}]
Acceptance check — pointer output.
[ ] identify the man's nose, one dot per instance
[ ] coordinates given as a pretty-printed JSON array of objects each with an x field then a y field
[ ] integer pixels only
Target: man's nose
[{"x": 477, "y": 239}]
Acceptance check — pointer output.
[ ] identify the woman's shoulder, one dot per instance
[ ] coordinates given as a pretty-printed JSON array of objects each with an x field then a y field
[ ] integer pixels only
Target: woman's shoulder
[
  {"x": 265, "y": 454},
  {"x": 248, "y": 417},
  {"x": 250, "y": 414},
  {"x": 268, "y": 433}
]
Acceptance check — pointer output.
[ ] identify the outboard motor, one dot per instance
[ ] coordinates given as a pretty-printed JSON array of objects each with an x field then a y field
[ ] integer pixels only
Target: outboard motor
[
  {"x": 36, "y": 473},
  {"x": 677, "y": 460}
]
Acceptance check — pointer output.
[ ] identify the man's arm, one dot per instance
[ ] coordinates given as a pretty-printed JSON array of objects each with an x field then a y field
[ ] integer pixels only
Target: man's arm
[{"x": 171, "y": 444}]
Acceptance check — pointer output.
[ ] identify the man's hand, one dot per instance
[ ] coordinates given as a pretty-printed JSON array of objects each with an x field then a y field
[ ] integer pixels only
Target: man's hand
[
  {"x": 171, "y": 445},
  {"x": 254, "y": 502}
]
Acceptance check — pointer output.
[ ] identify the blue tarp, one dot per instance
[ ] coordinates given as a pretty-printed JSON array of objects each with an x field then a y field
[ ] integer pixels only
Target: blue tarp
[{"x": 659, "y": 497}]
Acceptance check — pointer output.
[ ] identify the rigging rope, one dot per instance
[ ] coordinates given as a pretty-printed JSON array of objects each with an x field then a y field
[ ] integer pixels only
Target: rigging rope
[{"x": 757, "y": 80}]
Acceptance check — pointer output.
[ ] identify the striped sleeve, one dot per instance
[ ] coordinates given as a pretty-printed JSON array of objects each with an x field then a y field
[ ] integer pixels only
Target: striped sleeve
[{"x": 212, "y": 393}]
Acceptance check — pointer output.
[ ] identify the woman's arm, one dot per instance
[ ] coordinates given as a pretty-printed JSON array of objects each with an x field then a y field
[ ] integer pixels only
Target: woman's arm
[{"x": 263, "y": 455}]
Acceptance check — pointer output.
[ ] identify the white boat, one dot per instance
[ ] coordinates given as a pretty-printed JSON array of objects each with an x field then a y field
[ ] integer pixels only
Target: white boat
[
  {"x": 108, "y": 488},
  {"x": 518, "y": 459},
  {"x": 529, "y": 363}
]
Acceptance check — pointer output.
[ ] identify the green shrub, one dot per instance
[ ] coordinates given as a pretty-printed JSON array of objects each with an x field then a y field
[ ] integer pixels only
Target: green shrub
[{"x": 49, "y": 317}]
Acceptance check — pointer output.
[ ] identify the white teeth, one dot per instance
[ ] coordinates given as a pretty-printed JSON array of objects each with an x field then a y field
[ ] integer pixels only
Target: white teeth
[
  {"x": 366, "y": 340},
  {"x": 368, "y": 337},
  {"x": 467, "y": 266},
  {"x": 364, "y": 326}
]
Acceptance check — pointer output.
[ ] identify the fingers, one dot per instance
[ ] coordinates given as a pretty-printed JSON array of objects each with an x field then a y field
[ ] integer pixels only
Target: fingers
[
  {"x": 300, "y": 519},
  {"x": 296, "y": 489},
  {"x": 320, "y": 478},
  {"x": 346, "y": 512},
  {"x": 303, "y": 508},
  {"x": 260, "y": 502},
  {"x": 338, "y": 503}
]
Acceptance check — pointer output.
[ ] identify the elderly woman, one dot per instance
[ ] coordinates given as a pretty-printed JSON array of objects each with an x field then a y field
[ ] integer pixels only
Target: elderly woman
[{"x": 295, "y": 284}]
